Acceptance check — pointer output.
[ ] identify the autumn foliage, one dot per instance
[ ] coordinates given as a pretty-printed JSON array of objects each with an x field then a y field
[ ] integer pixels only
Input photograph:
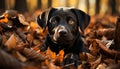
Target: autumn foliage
[{"x": 21, "y": 39}]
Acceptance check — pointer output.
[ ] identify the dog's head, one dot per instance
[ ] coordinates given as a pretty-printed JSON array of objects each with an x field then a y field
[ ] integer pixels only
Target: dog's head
[{"x": 63, "y": 24}]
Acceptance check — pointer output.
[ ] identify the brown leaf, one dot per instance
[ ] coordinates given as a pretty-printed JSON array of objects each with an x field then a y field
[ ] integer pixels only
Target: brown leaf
[
  {"x": 20, "y": 46},
  {"x": 96, "y": 62},
  {"x": 29, "y": 39},
  {"x": 33, "y": 55},
  {"x": 83, "y": 56},
  {"x": 4, "y": 39},
  {"x": 113, "y": 66},
  {"x": 108, "y": 51},
  {"x": 90, "y": 57},
  {"x": 36, "y": 48},
  {"x": 21, "y": 34},
  {"x": 11, "y": 42},
  {"x": 102, "y": 66},
  {"x": 104, "y": 32},
  {"x": 52, "y": 66},
  {"x": 22, "y": 19},
  {"x": 20, "y": 57},
  {"x": 94, "y": 48},
  {"x": 109, "y": 61}
]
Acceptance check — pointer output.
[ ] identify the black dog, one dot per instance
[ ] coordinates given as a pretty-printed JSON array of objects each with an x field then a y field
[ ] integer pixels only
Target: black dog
[{"x": 63, "y": 26}]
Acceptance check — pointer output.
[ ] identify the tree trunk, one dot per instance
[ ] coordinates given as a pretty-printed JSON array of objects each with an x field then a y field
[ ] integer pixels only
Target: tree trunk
[
  {"x": 117, "y": 35},
  {"x": 104, "y": 7},
  {"x": 49, "y": 3},
  {"x": 112, "y": 4},
  {"x": 21, "y": 6},
  {"x": 97, "y": 6},
  {"x": 88, "y": 4},
  {"x": 118, "y": 6},
  {"x": 38, "y": 4},
  {"x": 2, "y": 4}
]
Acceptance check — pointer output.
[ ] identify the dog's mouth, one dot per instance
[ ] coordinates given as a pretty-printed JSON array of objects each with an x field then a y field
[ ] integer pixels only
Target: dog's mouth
[
  {"x": 64, "y": 39},
  {"x": 63, "y": 42}
]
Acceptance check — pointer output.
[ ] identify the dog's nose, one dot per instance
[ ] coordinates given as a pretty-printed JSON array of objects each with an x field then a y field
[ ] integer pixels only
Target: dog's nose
[{"x": 62, "y": 32}]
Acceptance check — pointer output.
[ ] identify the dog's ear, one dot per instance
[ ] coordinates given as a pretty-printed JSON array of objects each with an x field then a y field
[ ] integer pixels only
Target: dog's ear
[
  {"x": 43, "y": 18},
  {"x": 82, "y": 17}
]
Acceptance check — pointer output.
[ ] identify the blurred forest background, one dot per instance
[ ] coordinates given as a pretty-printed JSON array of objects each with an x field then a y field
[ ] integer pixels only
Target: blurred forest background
[
  {"x": 92, "y": 7},
  {"x": 22, "y": 38}
]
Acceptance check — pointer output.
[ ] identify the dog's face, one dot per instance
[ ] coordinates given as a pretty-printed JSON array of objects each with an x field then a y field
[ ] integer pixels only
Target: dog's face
[{"x": 63, "y": 24}]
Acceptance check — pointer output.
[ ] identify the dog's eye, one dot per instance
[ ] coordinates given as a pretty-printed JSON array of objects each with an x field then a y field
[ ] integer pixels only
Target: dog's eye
[
  {"x": 54, "y": 20},
  {"x": 71, "y": 22}
]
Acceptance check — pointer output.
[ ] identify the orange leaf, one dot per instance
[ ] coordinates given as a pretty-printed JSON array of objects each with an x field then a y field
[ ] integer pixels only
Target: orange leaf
[
  {"x": 5, "y": 18},
  {"x": 61, "y": 55},
  {"x": 50, "y": 54},
  {"x": 34, "y": 25}
]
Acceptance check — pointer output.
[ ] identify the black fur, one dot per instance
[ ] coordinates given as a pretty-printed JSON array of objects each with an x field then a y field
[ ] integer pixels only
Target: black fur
[{"x": 63, "y": 26}]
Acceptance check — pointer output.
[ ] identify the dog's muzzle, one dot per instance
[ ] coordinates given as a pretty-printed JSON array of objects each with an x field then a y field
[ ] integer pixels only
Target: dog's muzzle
[
  {"x": 62, "y": 35},
  {"x": 62, "y": 31}
]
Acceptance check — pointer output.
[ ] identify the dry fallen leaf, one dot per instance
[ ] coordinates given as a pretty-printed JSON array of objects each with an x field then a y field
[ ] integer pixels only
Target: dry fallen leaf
[
  {"x": 33, "y": 55},
  {"x": 11, "y": 42},
  {"x": 94, "y": 48},
  {"x": 22, "y": 19},
  {"x": 96, "y": 62},
  {"x": 20, "y": 57},
  {"x": 90, "y": 57},
  {"x": 101, "y": 28},
  {"x": 4, "y": 39},
  {"x": 50, "y": 54},
  {"x": 102, "y": 66},
  {"x": 4, "y": 18}
]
